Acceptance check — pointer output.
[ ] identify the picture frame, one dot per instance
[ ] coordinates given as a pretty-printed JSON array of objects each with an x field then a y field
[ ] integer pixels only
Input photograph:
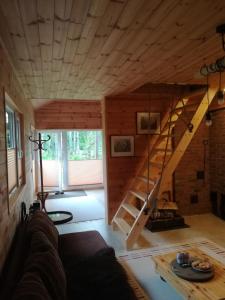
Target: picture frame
[
  {"x": 148, "y": 123},
  {"x": 122, "y": 145}
]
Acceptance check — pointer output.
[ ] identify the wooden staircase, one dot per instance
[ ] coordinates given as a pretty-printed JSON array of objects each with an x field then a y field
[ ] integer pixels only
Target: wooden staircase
[{"x": 151, "y": 188}]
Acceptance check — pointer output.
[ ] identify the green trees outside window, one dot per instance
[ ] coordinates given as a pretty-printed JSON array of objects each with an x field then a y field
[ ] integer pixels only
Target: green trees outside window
[
  {"x": 81, "y": 145},
  {"x": 50, "y": 152}
]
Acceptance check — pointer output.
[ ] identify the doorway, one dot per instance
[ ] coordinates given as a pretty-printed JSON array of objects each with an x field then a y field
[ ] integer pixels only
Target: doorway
[
  {"x": 72, "y": 159},
  {"x": 73, "y": 170}
]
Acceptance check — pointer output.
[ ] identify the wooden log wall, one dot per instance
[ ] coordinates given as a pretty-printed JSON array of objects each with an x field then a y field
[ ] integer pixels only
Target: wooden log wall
[
  {"x": 69, "y": 115},
  {"x": 217, "y": 161},
  {"x": 9, "y": 218},
  {"x": 86, "y": 49},
  {"x": 213, "y": 153},
  {"x": 120, "y": 119},
  {"x": 192, "y": 192}
]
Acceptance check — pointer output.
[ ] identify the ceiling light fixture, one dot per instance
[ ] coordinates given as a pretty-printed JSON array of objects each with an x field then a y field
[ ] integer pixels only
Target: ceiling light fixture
[
  {"x": 218, "y": 66},
  {"x": 208, "y": 119}
]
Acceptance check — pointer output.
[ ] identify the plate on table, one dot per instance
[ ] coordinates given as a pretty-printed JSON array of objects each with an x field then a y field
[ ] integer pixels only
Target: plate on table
[{"x": 201, "y": 265}]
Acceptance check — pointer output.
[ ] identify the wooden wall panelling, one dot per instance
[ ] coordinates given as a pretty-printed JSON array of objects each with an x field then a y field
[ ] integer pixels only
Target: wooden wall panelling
[
  {"x": 45, "y": 11},
  {"x": 17, "y": 43},
  {"x": 8, "y": 222},
  {"x": 90, "y": 49},
  {"x": 166, "y": 37},
  {"x": 69, "y": 115},
  {"x": 153, "y": 56},
  {"x": 31, "y": 29},
  {"x": 61, "y": 26},
  {"x": 186, "y": 174},
  {"x": 127, "y": 67},
  {"x": 78, "y": 16},
  {"x": 88, "y": 35},
  {"x": 120, "y": 119},
  {"x": 216, "y": 155},
  {"x": 64, "y": 41}
]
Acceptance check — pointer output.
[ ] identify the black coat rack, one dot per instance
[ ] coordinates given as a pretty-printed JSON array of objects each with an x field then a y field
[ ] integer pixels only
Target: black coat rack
[{"x": 41, "y": 195}]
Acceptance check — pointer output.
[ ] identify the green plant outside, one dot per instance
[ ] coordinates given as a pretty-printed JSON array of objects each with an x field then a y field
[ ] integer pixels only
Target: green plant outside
[{"x": 80, "y": 145}]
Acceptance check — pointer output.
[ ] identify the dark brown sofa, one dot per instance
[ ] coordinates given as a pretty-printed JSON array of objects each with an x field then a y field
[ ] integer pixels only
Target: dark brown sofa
[{"x": 43, "y": 265}]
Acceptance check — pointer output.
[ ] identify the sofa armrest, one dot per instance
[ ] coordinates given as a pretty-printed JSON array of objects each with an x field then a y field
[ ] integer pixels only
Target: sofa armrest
[{"x": 79, "y": 245}]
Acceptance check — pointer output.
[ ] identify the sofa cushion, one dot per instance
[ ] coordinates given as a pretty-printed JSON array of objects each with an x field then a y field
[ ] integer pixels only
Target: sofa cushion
[
  {"x": 32, "y": 287},
  {"x": 41, "y": 222},
  {"x": 40, "y": 243},
  {"x": 73, "y": 246},
  {"x": 98, "y": 277},
  {"x": 50, "y": 268},
  {"x": 13, "y": 267}
]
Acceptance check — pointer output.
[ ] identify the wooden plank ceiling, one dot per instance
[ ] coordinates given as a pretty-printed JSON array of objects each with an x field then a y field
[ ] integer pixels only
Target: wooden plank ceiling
[{"x": 88, "y": 49}]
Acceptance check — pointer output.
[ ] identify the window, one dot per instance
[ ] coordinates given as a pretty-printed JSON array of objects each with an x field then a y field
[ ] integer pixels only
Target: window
[
  {"x": 15, "y": 160},
  {"x": 10, "y": 128},
  {"x": 84, "y": 145}
]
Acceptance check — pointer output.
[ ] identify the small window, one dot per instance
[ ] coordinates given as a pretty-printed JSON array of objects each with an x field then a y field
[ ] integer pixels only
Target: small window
[
  {"x": 10, "y": 129},
  {"x": 15, "y": 160}
]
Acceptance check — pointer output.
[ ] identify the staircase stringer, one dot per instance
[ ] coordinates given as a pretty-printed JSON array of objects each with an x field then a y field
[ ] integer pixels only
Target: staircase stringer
[
  {"x": 141, "y": 220},
  {"x": 185, "y": 140}
]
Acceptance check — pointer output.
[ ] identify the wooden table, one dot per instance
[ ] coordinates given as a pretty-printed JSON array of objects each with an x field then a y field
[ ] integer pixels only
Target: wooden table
[{"x": 214, "y": 289}]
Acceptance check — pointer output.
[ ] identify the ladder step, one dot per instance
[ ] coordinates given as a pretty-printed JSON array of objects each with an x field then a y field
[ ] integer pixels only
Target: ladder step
[
  {"x": 140, "y": 195},
  {"x": 145, "y": 179},
  {"x": 131, "y": 209},
  {"x": 123, "y": 225},
  {"x": 181, "y": 103}
]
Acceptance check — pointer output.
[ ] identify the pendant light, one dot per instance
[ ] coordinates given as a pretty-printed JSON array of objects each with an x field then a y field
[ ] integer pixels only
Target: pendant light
[
  {"x": 220, "y": 95},
  {"x": 208, "y": 120}
]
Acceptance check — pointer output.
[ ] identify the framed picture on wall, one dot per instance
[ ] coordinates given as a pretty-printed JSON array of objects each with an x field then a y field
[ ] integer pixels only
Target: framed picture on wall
[
  {"x": 122, "y": 145},
  {"x": 148, "y": 123}
]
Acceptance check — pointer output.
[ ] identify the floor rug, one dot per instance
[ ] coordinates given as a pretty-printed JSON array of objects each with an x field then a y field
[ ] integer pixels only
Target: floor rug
[
  {"x": 67, "y": 194},
  {"x": 139, "y": 292},
  {"x": 142, "y": 266},
  {"x": 83, "y": 208}
]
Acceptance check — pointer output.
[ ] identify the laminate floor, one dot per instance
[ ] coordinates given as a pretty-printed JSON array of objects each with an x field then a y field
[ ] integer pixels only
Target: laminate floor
[{"x": 206, "y": 226}]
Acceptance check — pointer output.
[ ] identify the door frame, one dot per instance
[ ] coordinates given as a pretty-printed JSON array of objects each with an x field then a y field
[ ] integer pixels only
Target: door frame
[{"x": 65, "y": 187}]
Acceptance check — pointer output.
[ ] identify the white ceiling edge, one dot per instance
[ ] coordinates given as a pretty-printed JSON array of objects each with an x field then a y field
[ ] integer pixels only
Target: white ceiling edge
[{"x": 38, "y": 103}]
